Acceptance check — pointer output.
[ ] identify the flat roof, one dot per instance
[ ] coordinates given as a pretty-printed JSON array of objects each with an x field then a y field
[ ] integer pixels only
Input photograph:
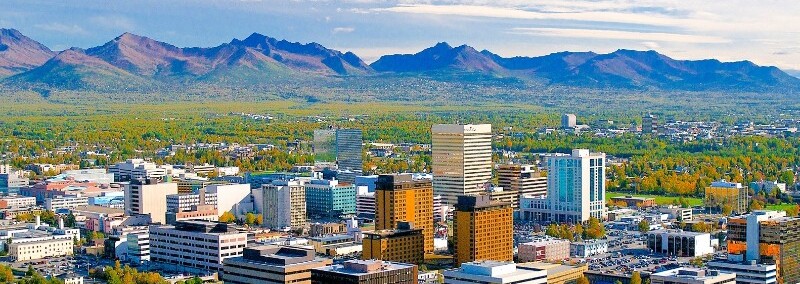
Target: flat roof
[{"x": 385, "y": 266}]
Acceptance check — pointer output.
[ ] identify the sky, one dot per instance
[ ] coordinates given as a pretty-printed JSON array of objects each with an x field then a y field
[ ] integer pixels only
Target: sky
[{"x": 766, "y": 32}]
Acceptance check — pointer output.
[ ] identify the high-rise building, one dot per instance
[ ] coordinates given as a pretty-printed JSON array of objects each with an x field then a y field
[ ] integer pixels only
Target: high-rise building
[
  {"x": 767, "y": 237},
  {"x": 404, "y": 244},
  {"x": 490, "y": 272},
  {"x": 365, "y": 272},
  {"x": 576, "y": 190},
  {"x": 324, "y": 145},
  {"x": 272, "y": 264},
  {"x": 348, "y": 154},
  {"x": 483, "y": 229},
  {"x": 568, "y": 121},
  {"x": 149, "y": 197},
  {"x": 462, "y": 159},
  {"x": 649, "y": 124},
  {"x": 284, "y": 204},
  {"x": 195, "y": 246},
  {"x": 330, "y": 198},
  {"x": 723, "y": 193},
  {"x": 524, "y": 179},
  {"x": 400, "y": 198}
]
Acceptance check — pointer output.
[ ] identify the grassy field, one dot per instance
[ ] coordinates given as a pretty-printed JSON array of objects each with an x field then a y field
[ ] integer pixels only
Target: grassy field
[
  {"x": 779, "y": 207},
  {"x": 660, "y": 200}
]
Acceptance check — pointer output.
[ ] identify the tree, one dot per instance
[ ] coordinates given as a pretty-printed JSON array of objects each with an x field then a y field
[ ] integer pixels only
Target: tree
[
  {"x": 636, "y": 278},
  {"x": 259, "y": 220},
  {"x": 756, "y": 205},
  {"x": 583, "y": 280},
  {"x": 249, "y": 219},
  {"x": 792, "y": 211},
  {"x": 227, "y": 217},
  {"x": 644, "y": 226},
  {"x": 727, "y": 209},
  {"x": 595, "y": 229},
  {"x": 6, "y": 274}
]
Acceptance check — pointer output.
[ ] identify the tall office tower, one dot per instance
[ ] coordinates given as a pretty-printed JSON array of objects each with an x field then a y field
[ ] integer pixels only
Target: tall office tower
[
  {"x": 401, "y": 198},
  {"x": 483, "y": 229},
  {"x": 348, "y": 154},
  {"x": 576, "y": 190},
  {"x": 324, "y": 145},
  {"x": 649, "y": 124},
  {"x": 524, "y": 179},
  {"x": 568, "y": 120},
  {"x": 149, "y": 197},
  {"x": 284, "y": 204},
  {"x": 462, "y": 159}
]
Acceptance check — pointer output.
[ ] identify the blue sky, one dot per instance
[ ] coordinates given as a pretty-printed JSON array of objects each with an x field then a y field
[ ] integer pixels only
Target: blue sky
[{"x": 766, "y": 32}]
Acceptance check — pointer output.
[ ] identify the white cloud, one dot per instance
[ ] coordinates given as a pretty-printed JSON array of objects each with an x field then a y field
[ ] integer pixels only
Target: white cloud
[
  {"x": 652, "y": 45},
  {"x": 113, "y": 22},
  {"x": 63, "y": 28},
  {"x": 338, "y": 30},
  {"x": 619, "y": 35}
]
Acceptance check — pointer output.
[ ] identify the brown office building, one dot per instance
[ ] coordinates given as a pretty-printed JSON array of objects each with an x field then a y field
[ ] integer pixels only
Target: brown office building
[
  {"x": 365, "y": 272},
  {"x": 272, "y": 264},
  {"x": 483, "y": 230},
  {"x": 400, "y": 198},
  {"x": 404, "y": 244},
  {"x": 524, "y": 179}
]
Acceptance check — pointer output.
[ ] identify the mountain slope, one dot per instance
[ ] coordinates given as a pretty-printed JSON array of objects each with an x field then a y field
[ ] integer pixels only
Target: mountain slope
[
  {"x": 19, "y": 53},
  {"x": 73, "y": 69},
  {"x": 311, "y": 57},
  {"x": 440, "y": 57}
]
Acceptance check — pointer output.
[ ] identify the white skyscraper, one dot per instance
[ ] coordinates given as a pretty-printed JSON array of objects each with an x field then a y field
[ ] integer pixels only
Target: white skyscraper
[
  {"x": 576, "y": 190},
  {"x": 462, "y": 159}
]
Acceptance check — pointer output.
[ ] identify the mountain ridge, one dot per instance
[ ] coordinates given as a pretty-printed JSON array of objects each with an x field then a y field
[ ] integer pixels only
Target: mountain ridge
[{"x": 131, "y": 62}]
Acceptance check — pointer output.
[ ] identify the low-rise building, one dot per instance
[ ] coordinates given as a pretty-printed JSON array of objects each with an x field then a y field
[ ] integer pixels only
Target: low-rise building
[
  {"x": 203, "y": 245},
  {"x": 588, "y": 248},
  {"x": 196, "y": 212},
  {"x": 365, "y": 272},
  {"x": 679, "y": 243},
  {"x": 365, "y": 203},
  {"x": 16, "y": 202},
  {"x": 543, "y": 249},
  {"x": 57, "y": 203},
  {"x": 634, "y": 201},
  {"x": 692, "y": 276},
  {"x": 335, "y": 245},
  {"x": 747, "y": 272},
  {"x": 558, "y": 273},
  {"x": 677, "y": 213},
  {"x": 490, "y": 272},
  {"x": 272, "y": 264}
]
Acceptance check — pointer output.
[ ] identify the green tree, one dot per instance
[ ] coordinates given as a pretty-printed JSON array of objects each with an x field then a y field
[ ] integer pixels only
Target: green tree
[{"x": 644, "y": 226}]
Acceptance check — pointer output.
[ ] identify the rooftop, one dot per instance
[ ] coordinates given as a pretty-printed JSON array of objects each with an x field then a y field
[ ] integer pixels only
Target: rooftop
[{"x": 364, "y": 267}]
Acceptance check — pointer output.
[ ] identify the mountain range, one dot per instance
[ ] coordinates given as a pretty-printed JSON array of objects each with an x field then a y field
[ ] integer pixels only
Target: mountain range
[{"x": 132, "y": 62}]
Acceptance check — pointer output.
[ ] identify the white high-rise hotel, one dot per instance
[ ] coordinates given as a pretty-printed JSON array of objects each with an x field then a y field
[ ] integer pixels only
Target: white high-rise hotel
[
  {"x": 462, "y": 159},
  {"x": 575, "y": 190}
]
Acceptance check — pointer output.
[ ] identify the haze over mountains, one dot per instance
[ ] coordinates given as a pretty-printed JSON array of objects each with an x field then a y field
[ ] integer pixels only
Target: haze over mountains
[{"x": 131, "y": 62}]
